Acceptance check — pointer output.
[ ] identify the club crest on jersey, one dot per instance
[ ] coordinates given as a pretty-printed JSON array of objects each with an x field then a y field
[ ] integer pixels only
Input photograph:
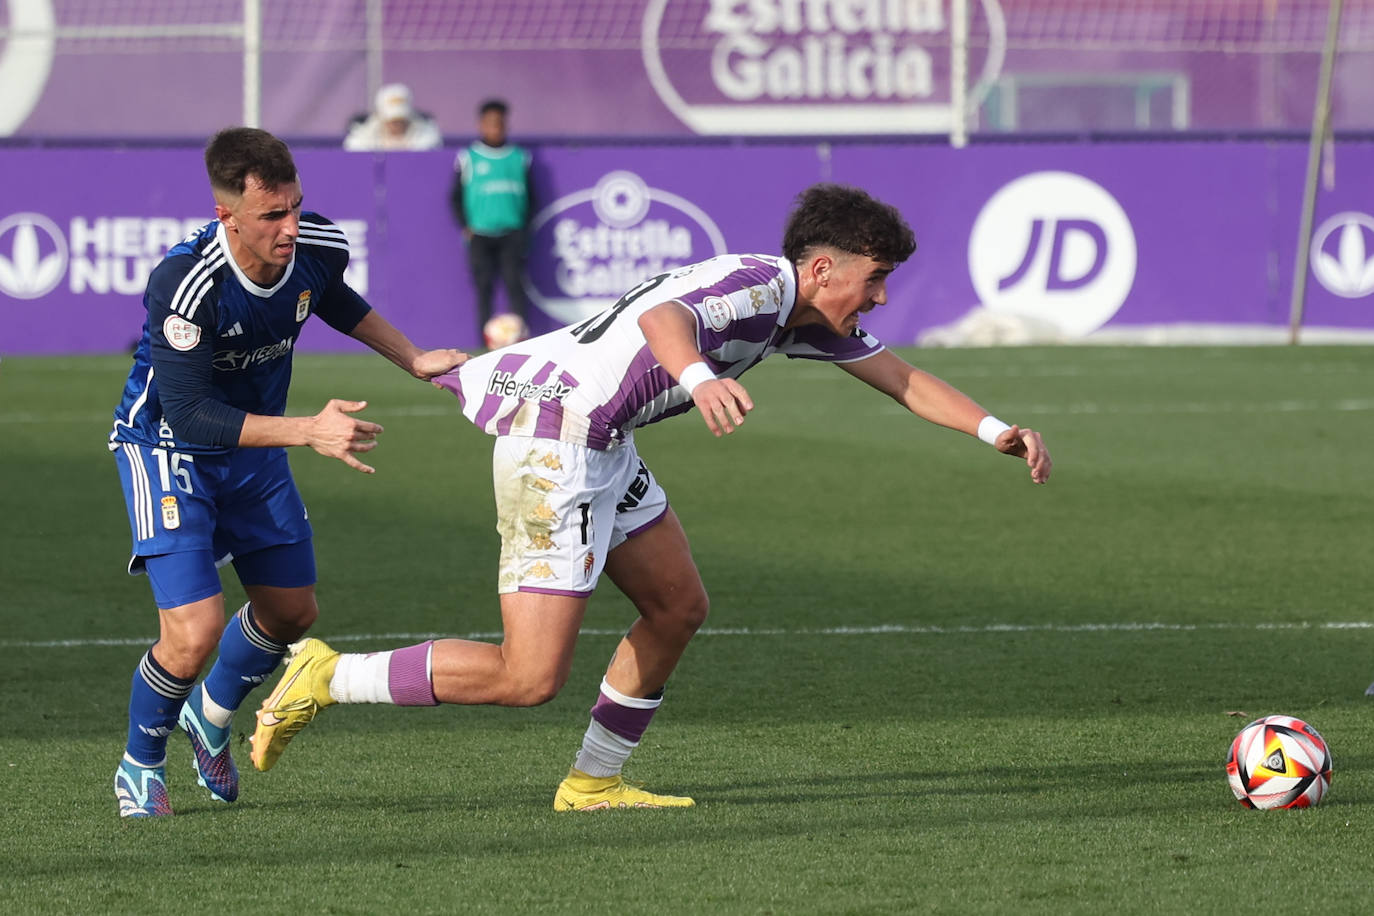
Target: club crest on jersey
[
  {"x": 302, "y": 306},
  {"x": 171, "y": 513},
  {"x": 718, "y": 311},
  {"x": 181, "y": 334}
]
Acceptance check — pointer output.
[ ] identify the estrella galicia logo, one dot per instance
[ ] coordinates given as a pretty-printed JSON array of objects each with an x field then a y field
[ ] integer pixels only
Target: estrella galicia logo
[
  {"x": 788, "y": 67},
  {"x": 596, "y": 243},
  {"x": 33, "y": 255},
  {"x": 1056, "y": 247},
  {"x": 1342, "y": 254}
]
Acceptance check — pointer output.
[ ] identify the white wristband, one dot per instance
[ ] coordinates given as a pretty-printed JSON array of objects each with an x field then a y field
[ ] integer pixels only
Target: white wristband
[
  {"x": 989, "y": 428},
  {"x": 694, "y": 375}
]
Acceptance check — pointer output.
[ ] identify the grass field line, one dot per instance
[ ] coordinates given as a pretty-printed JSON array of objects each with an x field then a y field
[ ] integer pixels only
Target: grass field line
[
  {"x": 1340, "y": 405},
  {"x": 879, "y": 630}
]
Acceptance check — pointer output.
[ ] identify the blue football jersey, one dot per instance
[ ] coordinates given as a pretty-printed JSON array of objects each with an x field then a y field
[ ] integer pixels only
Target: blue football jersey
[{"x": 214, "y": 333}]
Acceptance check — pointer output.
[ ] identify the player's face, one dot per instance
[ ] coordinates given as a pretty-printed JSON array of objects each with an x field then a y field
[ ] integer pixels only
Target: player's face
[
  {"x": 491, "y": 127},
  {"x": 855, "y": 284},
  {"x": 262, "y": 225}
]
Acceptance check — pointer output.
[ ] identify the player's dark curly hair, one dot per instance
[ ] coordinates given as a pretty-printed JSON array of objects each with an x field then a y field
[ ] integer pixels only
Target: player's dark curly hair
[
  {"x": 837, "y": 216},
  {"x": 237, "y": 152}
]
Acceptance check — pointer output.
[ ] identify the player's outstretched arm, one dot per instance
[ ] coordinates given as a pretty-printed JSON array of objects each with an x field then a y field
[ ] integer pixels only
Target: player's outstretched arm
[
  {"x": 333, "y": 432},
  {"x": 937, "y": 401},
  {"x": 671, "y": 332},
  {"x": 384, "y": 337}
]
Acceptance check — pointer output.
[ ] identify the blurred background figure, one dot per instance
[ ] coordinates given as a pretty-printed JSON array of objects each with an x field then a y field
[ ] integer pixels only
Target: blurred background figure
[
  {"x": 393, "y": 124},
  {"x": 491, "y": 201}
]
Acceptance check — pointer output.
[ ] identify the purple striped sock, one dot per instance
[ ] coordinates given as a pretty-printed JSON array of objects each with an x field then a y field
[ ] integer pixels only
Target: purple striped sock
[
  {"x": 408, "y": 676},
  {"x": 629, "y": 722}
]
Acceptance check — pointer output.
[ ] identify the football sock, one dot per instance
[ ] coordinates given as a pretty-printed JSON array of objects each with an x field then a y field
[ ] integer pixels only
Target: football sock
[
  {"x": 402, "y": 677},
  {"x": 155, "y": 699},
  {"x": 247, "y": 656},
  {"x": 618, "y": 722}
]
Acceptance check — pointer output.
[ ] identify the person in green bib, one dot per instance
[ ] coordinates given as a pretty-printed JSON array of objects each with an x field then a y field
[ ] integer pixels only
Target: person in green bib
[{"x": 491, "y": 201}]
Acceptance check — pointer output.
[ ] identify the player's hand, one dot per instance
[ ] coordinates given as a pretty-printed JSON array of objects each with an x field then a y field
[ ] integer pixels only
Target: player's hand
[
  {"x": 723, "y": 404},
  {"x": 1026, "y": 443},
  {"x": 335, "y": 434},
  {"x": 436, "y": 362}
]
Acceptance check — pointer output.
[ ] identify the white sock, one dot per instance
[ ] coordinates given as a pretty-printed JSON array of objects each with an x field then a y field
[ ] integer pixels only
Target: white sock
[
  {"x": 603, "y": 751},
  {"x": 362, "y": 678},
  {"x": 214, "y": 713}
]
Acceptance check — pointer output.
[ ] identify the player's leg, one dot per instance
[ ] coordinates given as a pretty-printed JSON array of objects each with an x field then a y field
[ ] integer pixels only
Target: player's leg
[
  {"x": 189, "y": 624},
  {"x": 548, "y": 544},
  {"x": 263, "y": 526},
  {"x": 482, "y": 261},
  {"x": 653, "y": 567},
  {"x": 170, "y": 503},
  {"x": 513, "y": 271},
  {"x": 528, "y": 667}
]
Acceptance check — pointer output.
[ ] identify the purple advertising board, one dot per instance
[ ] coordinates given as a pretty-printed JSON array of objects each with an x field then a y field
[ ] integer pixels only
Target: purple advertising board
[
  {"x": 1087, "y": 240},
  {"x": 93, "y": 68}
]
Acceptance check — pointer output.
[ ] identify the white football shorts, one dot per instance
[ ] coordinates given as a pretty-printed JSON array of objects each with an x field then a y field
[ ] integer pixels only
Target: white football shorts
[{"x": 561, "y": 508}]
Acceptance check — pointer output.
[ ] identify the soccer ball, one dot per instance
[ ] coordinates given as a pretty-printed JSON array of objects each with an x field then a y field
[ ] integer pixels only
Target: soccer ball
[
  {"x": 1279, "y": 762},
  {"x": 504, "y": 330}
]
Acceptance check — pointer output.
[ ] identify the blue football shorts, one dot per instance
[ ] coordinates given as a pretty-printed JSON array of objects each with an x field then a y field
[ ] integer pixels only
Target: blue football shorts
[{"x": 196, "y": 513}]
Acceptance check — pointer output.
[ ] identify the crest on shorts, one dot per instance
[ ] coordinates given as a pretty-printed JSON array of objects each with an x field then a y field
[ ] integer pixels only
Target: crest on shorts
[
  {"x": 588, "y": 565},
  {"x": 302, "y": 306},
  {"x": 171, "y": 513}
]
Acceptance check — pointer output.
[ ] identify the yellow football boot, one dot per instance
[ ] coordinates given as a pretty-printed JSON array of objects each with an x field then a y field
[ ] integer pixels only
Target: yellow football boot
[
  {"x": 302, "y": 692},
  {"x": 580, "y": 792}
]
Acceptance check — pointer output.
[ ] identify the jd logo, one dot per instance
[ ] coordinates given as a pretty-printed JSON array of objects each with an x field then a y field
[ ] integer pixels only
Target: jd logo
[
  {"x": 1053, "y": 246},
  {"x": 33, "y": 256},
  {"x": 1341, "y": 254}
]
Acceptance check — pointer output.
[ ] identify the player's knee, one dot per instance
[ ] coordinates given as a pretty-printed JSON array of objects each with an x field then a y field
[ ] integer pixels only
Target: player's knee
[
  {"x": 286, "y": 620},
  {"x": 185, "y": 655},
  {"x": 694, "y": 611},
  {"x": 535, "y": 689}
]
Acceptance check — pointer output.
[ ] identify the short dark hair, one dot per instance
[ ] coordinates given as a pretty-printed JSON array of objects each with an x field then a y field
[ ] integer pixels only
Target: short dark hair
[
  {"x": 237, "y": 152},
  {"x": 837, "y": 216},
  {"x": 497, "y": 105}
]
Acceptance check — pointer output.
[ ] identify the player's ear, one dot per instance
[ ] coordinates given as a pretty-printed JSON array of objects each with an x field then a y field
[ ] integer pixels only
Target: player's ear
[
  {"x": 820, "y": 268},
  {"x": 224, "y": 215}
]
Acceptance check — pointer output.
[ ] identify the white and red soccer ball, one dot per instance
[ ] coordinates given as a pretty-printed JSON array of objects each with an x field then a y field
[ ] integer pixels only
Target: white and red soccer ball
[
  {"x": 503, "y": 330},
  {"x": 1279, "y": 762}
]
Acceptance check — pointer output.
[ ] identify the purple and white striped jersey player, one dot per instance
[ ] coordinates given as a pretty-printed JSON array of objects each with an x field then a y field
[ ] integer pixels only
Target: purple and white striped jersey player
[{"x": 593, "y": 383}]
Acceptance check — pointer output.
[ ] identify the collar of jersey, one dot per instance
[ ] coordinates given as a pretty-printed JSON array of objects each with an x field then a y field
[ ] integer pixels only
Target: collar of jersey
[{"x": 249, "y": 285}]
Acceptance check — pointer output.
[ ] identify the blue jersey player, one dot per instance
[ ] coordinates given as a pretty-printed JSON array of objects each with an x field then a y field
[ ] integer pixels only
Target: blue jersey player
[{"x": 200, "y": 439}]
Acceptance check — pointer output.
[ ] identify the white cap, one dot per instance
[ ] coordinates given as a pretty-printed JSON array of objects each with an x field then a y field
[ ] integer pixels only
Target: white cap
[{"x": 393, "y": 101}]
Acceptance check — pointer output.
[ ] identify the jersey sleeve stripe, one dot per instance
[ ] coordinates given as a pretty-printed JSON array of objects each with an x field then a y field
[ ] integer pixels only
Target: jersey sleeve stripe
[
  {"x": 322, "y": 231},
  {"x": 340, "y": 244},
  {"x": 211, "y": 259},
  {"x": 193, "y": 299}
]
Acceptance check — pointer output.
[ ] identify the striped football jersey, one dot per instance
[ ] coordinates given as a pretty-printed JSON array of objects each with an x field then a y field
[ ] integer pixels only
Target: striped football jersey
[{"x": 594, "y": 382}]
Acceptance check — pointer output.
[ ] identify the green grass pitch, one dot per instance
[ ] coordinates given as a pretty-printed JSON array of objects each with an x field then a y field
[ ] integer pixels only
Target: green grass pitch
[{"x": 926, "y": 684}]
